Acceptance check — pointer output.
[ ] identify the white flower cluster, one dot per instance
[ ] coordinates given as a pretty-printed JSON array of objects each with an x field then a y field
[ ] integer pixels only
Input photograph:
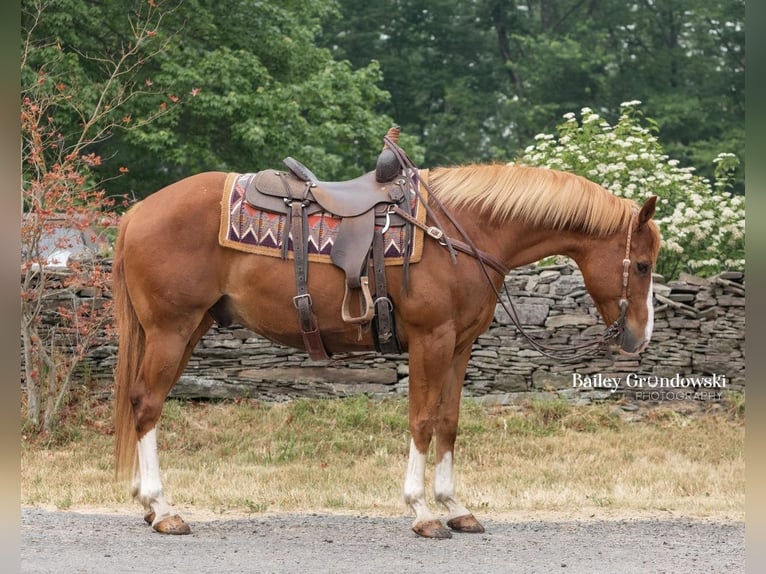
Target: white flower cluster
[{"x": 702, "y": 223}]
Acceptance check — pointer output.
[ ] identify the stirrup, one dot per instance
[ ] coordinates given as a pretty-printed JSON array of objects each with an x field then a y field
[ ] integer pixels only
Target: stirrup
[{"x": 367, "y": 305}]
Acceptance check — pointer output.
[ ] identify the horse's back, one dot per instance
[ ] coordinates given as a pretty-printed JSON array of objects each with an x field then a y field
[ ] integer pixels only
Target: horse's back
[
  {"x": 179, "y": 211},
  {"x": 196, "y": 193}
]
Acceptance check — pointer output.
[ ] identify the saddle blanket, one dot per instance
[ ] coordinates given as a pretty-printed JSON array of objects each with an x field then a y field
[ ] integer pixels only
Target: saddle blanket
[{"x": 246, "y": 228}]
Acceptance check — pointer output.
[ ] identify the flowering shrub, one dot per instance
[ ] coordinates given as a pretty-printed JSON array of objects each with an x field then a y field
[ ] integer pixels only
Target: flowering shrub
[{"x": 702, "y": 222}]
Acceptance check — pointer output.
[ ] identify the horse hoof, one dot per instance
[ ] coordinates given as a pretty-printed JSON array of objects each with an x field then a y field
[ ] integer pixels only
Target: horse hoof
[
  {"x": 465, "y": 523},
  {"x": 172, "y": 525},
  {"x": 149, "y": 517},
  {"x": 431, "y": 529}
]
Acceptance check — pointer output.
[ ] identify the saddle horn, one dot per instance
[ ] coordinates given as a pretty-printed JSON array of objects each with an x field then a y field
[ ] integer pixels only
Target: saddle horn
[{"x": 387, "y": 167}]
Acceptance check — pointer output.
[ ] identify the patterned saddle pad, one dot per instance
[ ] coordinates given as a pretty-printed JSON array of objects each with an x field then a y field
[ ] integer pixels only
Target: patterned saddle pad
[{"x": 246, "y": 228}]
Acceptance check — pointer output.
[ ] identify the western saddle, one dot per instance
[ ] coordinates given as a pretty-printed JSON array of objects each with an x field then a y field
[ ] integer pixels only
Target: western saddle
[{"x": 365, "y": 206}]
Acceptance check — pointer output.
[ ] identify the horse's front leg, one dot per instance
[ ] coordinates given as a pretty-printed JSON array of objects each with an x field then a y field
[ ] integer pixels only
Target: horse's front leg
[
  {"x": 429, "y": 360},
  {"x": 459, "y": 518}
]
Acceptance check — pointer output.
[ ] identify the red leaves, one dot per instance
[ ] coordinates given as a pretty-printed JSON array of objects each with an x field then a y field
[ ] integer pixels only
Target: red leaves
[{"x": 91, "y": 159}]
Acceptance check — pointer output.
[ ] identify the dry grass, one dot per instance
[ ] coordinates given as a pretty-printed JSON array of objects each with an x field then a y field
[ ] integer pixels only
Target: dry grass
[{"x": 350, "y": 455}]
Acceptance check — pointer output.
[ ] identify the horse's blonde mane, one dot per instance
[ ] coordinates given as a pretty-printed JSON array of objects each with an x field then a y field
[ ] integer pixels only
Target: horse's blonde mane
[{"x": 539, "y": 196}]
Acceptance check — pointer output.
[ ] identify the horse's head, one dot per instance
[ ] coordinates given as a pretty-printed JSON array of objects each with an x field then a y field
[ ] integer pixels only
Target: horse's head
[{"x": 618, "y": 275}]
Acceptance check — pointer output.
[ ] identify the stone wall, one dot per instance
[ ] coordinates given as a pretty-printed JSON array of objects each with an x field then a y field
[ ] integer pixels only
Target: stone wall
[{"x": 699, "y": 332}]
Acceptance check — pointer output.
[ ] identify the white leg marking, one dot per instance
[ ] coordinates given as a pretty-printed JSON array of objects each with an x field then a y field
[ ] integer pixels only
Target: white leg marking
[
  {"x": 414, "y": 485},
  {"x": 444, "y": 488},
  {"x": 649, "y": 314},
  {"x": 443, "y": 484},
  {"x": 149, "y": 464},
  {"x": 150, "y": 485}
]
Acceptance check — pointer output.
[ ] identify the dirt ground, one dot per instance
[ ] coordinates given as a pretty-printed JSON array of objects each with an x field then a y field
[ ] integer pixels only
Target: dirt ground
[{"x": 100, "y": 541}]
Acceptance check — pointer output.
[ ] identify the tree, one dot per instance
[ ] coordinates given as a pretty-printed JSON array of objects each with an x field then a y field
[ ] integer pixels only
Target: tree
[
  {"x": 439, "y": 65},
  {"x": 62, "y": 120},
  {"x": 264, "y": 90},
  {"x": 477, "y": 80},
  {"x": 250, "y": 86}
]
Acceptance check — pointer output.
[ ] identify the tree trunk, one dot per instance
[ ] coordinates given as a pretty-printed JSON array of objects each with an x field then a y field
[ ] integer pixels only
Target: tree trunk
[
  {"x": 50, "y": 395},
  {"x": 33, "y": 399},
  {"x": 504, "y": 46}
]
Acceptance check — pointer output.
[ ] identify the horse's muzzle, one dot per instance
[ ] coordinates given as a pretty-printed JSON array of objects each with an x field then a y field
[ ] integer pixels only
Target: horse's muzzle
[{"x": 631, "y": 345}]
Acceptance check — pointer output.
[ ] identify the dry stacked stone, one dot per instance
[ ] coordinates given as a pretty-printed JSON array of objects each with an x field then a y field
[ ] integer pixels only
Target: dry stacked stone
[{"x": 699, "y": 335}]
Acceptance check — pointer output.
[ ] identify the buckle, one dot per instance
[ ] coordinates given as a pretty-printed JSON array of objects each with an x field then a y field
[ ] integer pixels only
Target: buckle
[
  {"x": 435, "y": 232},
  {"x": 290, "y": 200},
  {"x": 385, "y": 300},
  {"x": 296, "y": 299}
]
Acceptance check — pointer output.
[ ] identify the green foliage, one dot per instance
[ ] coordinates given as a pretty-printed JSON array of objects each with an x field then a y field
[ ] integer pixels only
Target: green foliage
[
  {"x": 551, "y": 416},
  {"x": 239, "y": 86},
  {"x": 214, "y": 86},
  {"x": 477, "y": 80},
  {"x": 735, "y": 405},
  {"x": 702, "y": 222},
  {"x": 256, "y": 88},
  {"x": 316, "y": 428},
  {"x": 439, "y": 64}
]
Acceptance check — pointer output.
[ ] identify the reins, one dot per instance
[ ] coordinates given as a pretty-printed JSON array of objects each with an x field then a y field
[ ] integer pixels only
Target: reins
[
  {"x": 573, "y": 353},
  {"x": 565, "y": 354}
]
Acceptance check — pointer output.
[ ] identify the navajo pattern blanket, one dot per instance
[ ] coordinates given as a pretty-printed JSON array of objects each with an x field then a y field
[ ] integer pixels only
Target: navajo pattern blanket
[{"x": 246, "y": 228}]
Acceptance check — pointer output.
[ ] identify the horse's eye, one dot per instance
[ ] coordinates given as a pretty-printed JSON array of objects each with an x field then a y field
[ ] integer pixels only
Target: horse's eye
[{"x": 643, "y": 268}]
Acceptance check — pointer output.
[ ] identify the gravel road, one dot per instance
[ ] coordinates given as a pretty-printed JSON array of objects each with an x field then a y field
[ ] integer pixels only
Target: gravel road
[{"x": 76, "y": 542}]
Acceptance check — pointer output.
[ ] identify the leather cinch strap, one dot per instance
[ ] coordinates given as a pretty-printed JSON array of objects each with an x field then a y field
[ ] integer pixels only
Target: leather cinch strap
[
  {"x": 385, "y": 334},
  {"x": 312, "y": 339}
]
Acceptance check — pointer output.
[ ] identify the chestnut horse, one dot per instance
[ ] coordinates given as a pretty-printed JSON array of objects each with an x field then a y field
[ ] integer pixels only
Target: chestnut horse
[{"x": 172, "y": 280}]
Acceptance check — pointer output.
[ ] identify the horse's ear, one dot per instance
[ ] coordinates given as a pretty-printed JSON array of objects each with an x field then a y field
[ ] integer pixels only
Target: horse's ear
[{"x": 647, "y": 211}]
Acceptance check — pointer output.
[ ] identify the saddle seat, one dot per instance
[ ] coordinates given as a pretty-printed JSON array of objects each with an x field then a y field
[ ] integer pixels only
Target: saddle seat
[{"x": 341, "y": 198}]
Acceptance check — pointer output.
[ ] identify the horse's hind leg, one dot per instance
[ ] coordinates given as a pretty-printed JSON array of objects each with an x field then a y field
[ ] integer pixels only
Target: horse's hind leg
[{"x": 166, "y": 357}]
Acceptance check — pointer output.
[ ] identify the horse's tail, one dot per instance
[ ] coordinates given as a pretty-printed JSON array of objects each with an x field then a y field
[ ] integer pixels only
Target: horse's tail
[{"x": 131, "y": 344}]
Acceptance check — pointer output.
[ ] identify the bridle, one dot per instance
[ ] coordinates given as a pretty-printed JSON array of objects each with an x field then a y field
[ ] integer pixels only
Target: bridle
[
  {"x": 570, "y": 353},
  {"x": 616, "y": 329},
  {"x": 619, "y": 324}
]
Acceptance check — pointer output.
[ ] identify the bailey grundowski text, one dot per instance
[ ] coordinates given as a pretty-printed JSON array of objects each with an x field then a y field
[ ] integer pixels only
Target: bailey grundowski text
[{"x": 638, "y": 382}]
